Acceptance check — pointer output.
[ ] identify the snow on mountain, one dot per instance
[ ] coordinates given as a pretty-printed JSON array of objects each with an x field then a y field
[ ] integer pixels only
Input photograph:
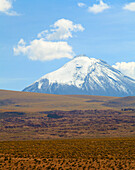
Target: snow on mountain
[{"x": 84, "y": 75}]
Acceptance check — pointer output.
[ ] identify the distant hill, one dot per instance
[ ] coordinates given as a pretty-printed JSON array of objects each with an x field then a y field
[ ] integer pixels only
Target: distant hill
[{"x": 33, "y": 102}]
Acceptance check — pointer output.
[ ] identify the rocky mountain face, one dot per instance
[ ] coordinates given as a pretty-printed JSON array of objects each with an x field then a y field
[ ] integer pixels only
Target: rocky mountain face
[{"x": 85, "y": 76}]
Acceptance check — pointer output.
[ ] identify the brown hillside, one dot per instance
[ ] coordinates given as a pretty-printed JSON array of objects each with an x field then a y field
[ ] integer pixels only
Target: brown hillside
[{"x": 33, "y": 102}]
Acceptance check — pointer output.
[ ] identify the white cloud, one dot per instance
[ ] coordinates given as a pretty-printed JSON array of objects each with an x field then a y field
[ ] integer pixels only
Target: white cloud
[
  {"x": 49, "y": 45},
  {"x": 44, "y": 50},
  {"x": 80, "y": 4},
  {"x": 98, "y": 8},
  {"x": 6, "y": 6},
  {"x": 126, "y": 68},
  {"x": 61, "y": 30},
  {"x": 130, "y": 6}
]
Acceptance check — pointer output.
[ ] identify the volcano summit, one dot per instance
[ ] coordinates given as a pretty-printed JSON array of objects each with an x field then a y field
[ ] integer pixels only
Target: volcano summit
[{"x": 85, "y": 76}]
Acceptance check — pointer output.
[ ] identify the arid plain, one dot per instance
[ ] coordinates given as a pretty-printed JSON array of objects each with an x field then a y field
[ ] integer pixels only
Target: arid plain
[{"x": 44, "y": 131}]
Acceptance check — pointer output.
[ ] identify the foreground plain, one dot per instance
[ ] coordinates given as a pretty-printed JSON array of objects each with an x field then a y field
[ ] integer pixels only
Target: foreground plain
[{"x": 118, "y": 153}]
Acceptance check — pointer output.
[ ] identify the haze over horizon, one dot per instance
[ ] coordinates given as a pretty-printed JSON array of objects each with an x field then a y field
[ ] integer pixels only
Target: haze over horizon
[{"x": 41, "y": 36}]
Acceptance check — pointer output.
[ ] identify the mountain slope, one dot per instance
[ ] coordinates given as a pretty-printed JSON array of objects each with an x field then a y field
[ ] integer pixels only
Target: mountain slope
[{"x": 84, "y": 75}]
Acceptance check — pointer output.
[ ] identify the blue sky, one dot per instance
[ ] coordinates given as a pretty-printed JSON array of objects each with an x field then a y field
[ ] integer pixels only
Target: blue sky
[{"x": 100, "y": 29}]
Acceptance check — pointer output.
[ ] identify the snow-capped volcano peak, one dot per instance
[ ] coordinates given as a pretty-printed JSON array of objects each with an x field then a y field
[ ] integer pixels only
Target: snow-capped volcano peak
[
  {"x": 84, "y": 75},
  {"x": 74, "y": 72}
]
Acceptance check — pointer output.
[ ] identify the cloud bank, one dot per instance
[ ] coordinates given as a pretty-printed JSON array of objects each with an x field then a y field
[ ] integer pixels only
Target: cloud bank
[
  {"x": 126, "y": 68},
  {"x": 50, "y": 44},
  {"x": 130, "y": 6},
  {"x": 6, "y": 6},
  {"x": 98, "y": 8}
]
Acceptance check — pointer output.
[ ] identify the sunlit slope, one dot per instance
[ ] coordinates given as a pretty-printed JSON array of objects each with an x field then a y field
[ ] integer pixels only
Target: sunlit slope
[{"x": 26, "y": 101}]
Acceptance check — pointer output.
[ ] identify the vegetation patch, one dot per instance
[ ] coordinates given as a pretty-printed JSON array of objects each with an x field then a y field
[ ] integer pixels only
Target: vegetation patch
[
  {"x": 6, "y": 102},
  {"x": 11, "y": 114},
  {"x": 118, "y": 153},
  {"x": 55, "y": 116}
]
